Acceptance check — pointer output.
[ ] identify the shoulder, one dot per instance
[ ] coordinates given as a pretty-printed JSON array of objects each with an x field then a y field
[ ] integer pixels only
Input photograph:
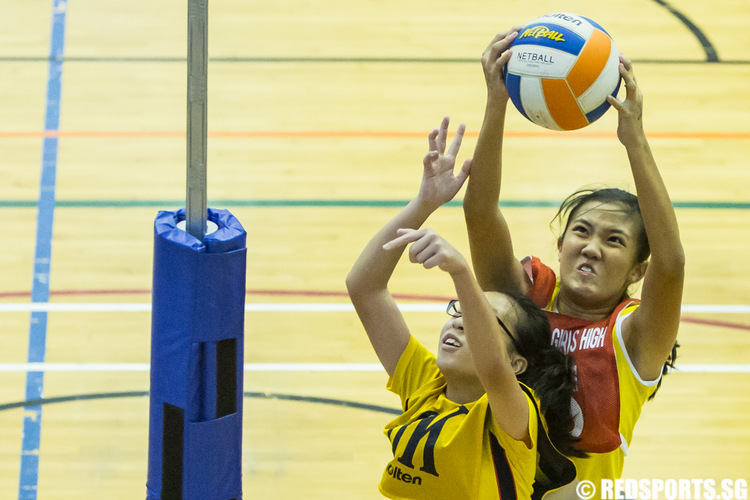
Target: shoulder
[
  {"x": 541, "y": 280},
  {"x": 624, "y": 309},
  {"x": 416, "y": 367},
  {"x": 618, "y": 320}
]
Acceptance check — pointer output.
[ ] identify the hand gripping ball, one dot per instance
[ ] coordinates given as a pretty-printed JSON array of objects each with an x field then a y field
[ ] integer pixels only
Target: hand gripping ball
[{"x": 562, "y": 69}]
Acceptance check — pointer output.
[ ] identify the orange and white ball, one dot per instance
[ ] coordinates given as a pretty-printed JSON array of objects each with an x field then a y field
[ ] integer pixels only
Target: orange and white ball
[{"x": 562, "y": 69}]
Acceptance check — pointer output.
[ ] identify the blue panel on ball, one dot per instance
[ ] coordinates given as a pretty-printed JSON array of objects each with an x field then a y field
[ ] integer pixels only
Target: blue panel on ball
[
  {"x": 550, "y": 35},
  {"x": 513, "y": 84},
  {"x": 597, "y": 113},
  {"x": 596, "y": 25}
]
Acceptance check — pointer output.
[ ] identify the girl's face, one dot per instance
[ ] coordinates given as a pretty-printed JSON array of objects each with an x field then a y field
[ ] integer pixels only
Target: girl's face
[
  {"x": 598, "y": 255},
  {"x": 453, "y": 353}
]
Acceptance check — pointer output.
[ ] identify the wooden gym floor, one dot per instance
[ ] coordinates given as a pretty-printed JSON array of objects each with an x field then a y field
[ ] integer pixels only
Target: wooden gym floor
[{"x": 318, "y": 115}]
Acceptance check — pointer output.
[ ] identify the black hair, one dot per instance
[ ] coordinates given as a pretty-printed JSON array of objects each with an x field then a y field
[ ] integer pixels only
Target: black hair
[
  {"x": 668, "y": 366},
  {"x": 549, "y": 372},
  {"x": 570, "y": 206}
]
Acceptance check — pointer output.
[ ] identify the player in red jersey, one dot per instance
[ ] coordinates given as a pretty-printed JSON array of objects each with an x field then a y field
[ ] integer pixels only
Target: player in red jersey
[{"x": 620, "y": 344}]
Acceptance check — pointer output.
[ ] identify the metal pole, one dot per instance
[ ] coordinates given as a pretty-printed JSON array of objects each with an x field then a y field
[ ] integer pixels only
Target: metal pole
[{"x": 197, "y": 100}]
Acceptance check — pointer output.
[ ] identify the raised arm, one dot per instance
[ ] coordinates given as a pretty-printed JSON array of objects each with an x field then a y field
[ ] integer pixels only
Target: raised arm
[
  {"x": 488, "y": 345},
  {"x": 650, "y": 332},
  {"x": 492, "y": 256},
  {"x": 367, "y": 281}
]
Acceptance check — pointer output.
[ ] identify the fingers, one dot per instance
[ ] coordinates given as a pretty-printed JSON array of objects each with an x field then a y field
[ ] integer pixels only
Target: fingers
[
  {"x": 456, "y": 144},
  {"x": 405, "y": 236},
  {"x": 633, "y": 94},
  {"x": 463, "y": 174},
  {"x": 627, "y": 62},
  {"x": 432, "y": 140},
  {"x": 442, "y": 136},
  {"x": 438, "y": 138},
  {"x": 498, "y": 48},
  {"x": 425, "y": 243},
  {"x": 430, "y": 158},
  {"x": 492, "y": 43},
  {"x": 513, "y": 32},
  {"x": 628, "y": 76},
  {"x": 614, "y": 102},
  {"x": 428, "y": 249}
]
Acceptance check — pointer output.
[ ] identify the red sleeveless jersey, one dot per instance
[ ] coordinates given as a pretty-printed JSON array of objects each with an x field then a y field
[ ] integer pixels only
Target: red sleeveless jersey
[{"x": 591, "y": 344}]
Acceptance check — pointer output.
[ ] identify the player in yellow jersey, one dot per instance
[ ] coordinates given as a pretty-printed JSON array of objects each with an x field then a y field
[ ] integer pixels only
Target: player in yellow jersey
[
  {"x": 469, "y": 429},
  {"x": 620, "y": 345}
]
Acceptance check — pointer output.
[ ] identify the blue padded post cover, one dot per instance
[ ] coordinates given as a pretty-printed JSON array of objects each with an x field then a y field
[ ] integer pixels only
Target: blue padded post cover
[{"x": 197, "y": 340}]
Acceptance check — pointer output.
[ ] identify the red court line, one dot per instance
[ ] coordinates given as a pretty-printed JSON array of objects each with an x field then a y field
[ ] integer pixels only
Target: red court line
[
  {"x": 708, "y": 322},
  {"x": 353, "y": 134},
  {"x": 288, "y": 293},
  {"x": 322, "y": 293}
]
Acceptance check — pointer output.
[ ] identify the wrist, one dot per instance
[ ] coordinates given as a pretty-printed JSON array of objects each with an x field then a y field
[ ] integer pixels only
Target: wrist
[
  {"x": 636, "y": 141},
  {"x": 422, "y": 207},
  {"x": 497, "y": 101},
  {"x": 495, "y": 110},
  {"x": 461, "y": 273}
]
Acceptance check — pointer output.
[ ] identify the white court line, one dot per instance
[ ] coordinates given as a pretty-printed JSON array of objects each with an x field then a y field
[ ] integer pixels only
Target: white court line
[
  {"x": 711, "y": 368},
  {"x": 144, "y": 367},
  {"x": 74, "y": 307},
  {"x": 299, "y": 307},
  {"x": 295, "y": 367}
]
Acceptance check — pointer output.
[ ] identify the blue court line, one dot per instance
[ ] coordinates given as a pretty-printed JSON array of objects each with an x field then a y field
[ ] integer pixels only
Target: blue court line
[{"x": 32, "y": 422}]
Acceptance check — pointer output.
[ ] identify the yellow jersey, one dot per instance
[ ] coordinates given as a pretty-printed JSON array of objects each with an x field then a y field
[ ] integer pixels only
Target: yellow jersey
[{"x": 446, "y": 450}]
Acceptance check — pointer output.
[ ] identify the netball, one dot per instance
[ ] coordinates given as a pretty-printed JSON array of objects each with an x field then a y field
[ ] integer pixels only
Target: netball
[{"x": 562, "y": 70}]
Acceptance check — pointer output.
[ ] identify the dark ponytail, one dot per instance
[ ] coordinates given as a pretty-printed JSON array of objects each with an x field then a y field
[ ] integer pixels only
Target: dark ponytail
[
  {"x": 669, "y": 365},
  {"x": 550, "y": 373}
]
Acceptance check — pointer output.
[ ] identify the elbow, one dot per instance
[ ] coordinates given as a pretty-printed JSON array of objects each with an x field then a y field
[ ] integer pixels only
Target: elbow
[
  {"x": 469, "y": 203},
  {"x": 680, "y": 256},
  {"x": 474, "y": 205},
  {"x": 359, "y": 287},
  {"x": 679, "y": 261},
  {"x": 672, "y": 265},
  {"x": 353, "y": 284},
  {"x": 480, "y": 215}
]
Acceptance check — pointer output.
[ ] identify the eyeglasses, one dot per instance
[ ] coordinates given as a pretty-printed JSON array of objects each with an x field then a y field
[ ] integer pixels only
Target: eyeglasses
[{"x": 454, "y": 310}]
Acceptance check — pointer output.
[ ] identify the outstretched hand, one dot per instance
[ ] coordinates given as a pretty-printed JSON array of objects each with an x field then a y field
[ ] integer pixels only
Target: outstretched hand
[
  {"x": 494, "y": 59},
  {"x": 428, "y": 249},
  {"x": 630, "y": 109},
  {"x": 439, "y": 184}
]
